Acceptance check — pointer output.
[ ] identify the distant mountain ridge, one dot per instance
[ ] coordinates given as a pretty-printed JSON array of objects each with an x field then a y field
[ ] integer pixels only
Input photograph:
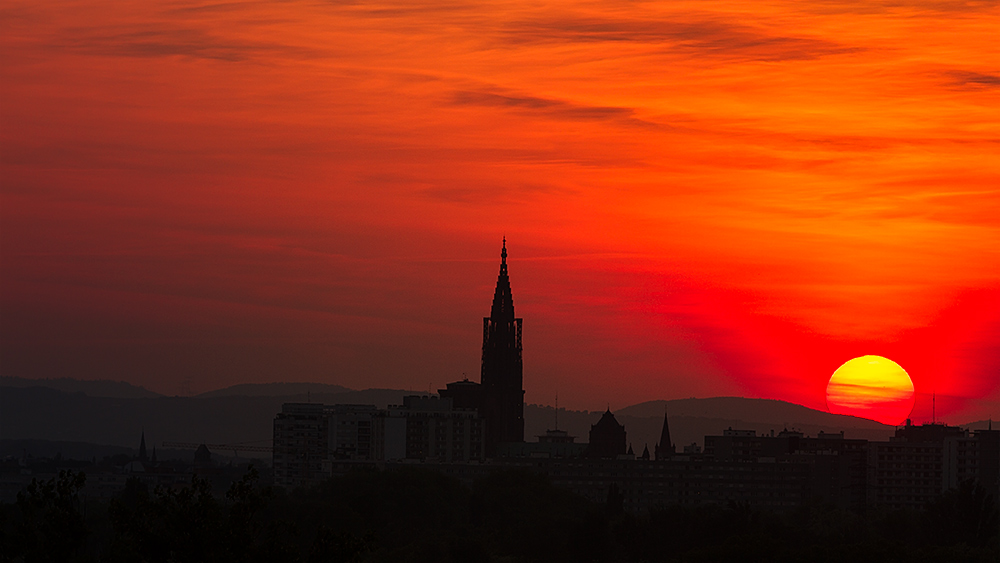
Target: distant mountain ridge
[
  {"x": 769, "y": 411},
  {"x": 49, "y": 414},
  {"x": 274, "y": 390},
  {"x": 693, "y": 419},
  {"x": 71, "y": 410},
  {"x": 91, "y": 388}
]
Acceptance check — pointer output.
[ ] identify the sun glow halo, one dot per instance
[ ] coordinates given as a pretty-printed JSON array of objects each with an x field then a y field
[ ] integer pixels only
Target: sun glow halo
[{"x": 871, "y": 387}]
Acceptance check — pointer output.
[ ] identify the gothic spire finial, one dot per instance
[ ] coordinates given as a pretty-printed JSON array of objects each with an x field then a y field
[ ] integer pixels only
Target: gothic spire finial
[
  {"x": 503, "y": 255},
  {"x": 503, "y": 302}
]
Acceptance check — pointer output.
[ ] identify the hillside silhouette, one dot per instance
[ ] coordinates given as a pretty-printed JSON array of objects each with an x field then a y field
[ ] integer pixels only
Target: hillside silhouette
[
  {"x": 274, "y": 390},
  {"x": 93, "y": 388},
  {"x": 692, "y": 419},
  {"x": 70, "y": 410}
]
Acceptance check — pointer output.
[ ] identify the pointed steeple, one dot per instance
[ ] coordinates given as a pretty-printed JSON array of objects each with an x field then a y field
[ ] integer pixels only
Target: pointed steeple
[
  {"x": 665, "y": 448},
  {"x": 153, "y": 458},
  {"x": 645, "y": 452},
  {"x": 631, "y": 452},
  {"x": 142, "y": 447},
  {"x": 502, "y": 377},
  {"x": 503, "y": 300}
]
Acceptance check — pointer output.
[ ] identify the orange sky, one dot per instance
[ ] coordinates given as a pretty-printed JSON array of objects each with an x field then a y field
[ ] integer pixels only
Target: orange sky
[{"x": 700, "y": 198}]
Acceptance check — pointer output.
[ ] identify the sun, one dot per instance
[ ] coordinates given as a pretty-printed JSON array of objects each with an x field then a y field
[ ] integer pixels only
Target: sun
[{"x": 871, "y": 387}]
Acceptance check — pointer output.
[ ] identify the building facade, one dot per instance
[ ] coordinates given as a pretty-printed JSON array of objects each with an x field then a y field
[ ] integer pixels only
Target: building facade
[
  {"x": 835, "y": 467},
  {"x": 309, "y": 438},
  {"x": 429, "y": 428},
  {"x": 921, "y": 462},
  {"x": 301, "y": 443},
  {"x": 350, "y": 431}
]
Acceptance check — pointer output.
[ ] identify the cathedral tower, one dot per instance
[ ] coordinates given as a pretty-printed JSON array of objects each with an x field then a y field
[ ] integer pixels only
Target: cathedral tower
[{"x": 501, "y": 379}]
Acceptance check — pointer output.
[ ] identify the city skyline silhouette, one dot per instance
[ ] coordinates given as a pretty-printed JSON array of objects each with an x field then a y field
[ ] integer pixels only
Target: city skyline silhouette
[{"x": 359, "y": 482}]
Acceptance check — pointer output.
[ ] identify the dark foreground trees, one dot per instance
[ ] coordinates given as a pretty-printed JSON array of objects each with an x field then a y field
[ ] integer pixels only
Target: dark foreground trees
[
  {"x": 48, "y": 525},
  {"x": 192, "y": 525},
  {"x": 412, "y": 515}
]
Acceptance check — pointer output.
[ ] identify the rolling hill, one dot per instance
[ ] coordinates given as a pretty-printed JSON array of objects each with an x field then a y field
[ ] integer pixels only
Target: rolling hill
[{"x": 77, "y": 411}]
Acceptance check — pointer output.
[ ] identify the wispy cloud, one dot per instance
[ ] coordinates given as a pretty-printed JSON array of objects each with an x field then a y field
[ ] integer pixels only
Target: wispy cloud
[
  {"x": 975, "y": 80},
  {"x": 166, "y": 41},
  {"x": 715, "y": 38},
  {"x": 552, "y": 108}
]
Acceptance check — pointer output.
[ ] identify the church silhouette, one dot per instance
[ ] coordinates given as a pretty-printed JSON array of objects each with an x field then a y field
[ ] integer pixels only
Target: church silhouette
[{"x": 499, "y": 396}]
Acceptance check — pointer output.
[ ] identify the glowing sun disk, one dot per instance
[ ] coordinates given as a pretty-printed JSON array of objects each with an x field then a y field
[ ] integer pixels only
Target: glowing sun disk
[{"x": 871, "y": 387}]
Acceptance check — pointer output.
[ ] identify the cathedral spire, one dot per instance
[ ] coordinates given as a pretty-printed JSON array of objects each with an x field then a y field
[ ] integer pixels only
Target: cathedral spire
[
  {"x": 503, "y": 300},
  {"x": 503, "y": 391}
]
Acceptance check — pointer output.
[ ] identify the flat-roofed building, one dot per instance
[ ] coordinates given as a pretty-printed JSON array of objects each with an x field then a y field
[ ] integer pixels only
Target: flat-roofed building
[
  {"x": 351, "y": 431},
  {"x": 429, "y": 428},
  {"x": 301, "y": 443}
]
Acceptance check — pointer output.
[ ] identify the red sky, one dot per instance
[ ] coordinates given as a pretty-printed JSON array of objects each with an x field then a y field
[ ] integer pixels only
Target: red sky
[{"x": 700, "y": 198}]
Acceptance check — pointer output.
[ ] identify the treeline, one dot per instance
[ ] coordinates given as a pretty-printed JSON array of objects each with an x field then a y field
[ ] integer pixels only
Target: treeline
[{"x": 403, "y": 515}]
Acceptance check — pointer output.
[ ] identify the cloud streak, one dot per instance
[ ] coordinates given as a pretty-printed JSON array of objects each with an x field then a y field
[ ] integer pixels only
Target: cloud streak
[
  {"x": 180, "y": 41},
  {"x": 706, "y": 37},
  {"x": 553, "y": 109}
]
